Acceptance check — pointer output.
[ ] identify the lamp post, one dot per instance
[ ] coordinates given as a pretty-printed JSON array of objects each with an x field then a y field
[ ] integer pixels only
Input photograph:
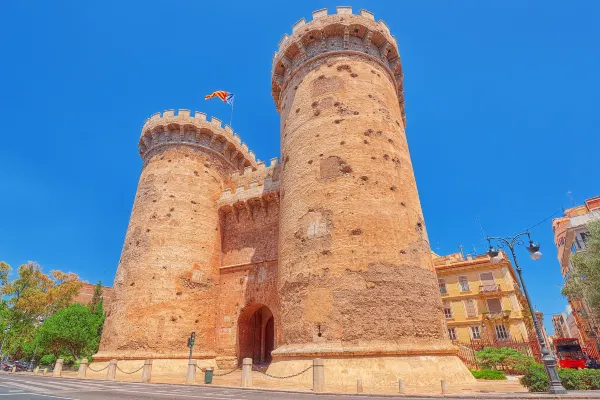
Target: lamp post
[
  {"x": 3, "y": 340},
  {"x": 555, "y": 386}
]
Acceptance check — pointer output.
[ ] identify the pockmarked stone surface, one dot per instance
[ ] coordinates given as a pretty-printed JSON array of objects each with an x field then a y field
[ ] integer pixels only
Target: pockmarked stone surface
[{"x": 322, "y": 255}]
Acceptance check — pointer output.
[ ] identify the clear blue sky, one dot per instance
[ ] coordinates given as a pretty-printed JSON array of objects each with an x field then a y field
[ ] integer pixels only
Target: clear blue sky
[{"x": 502, "y": 106}]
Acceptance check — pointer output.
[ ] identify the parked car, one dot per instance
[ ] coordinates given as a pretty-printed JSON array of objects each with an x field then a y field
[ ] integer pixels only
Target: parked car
[{"x": 592, "y": 363}]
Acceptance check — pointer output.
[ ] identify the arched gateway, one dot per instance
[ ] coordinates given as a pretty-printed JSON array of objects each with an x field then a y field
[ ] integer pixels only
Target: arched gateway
[{"x": 256, "y": 334}]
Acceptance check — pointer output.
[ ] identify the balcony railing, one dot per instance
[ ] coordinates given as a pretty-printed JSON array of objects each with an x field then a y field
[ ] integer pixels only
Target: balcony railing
[{"x": 489, "y": 288}]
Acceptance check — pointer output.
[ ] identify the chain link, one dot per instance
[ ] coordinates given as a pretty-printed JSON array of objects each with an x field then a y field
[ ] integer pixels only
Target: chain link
[
  {"x": 282, "y": 377},
  {"x": 215, "y": 374},
  {"x": 129, "y": 373},
  {"x": 227, "y": 373},
  {"x": 97, "y": 370}
]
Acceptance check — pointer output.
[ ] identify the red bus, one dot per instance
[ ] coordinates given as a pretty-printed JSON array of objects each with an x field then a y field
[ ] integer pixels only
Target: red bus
[{"x": 569, "y": 353}]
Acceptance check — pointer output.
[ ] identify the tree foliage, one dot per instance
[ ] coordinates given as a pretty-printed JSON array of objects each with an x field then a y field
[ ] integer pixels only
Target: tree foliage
[
  {"x": 74, "y": 330},
  {"x": 503, "y": 358},
  {"x": 33, "y": 294},
  {"x": 584, "y": 278},
  {"x": 97, "y": 297},
  {"x": 29, "y": 298}
]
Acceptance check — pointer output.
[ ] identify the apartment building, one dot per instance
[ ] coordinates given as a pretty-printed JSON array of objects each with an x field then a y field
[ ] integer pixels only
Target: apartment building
[
  {"x": 482, "y": 299},
  {"x": 570, "y": 236}
]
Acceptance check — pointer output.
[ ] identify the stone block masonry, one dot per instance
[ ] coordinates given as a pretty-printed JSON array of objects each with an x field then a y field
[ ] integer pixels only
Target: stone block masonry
[{"x": 321, "y": 255}]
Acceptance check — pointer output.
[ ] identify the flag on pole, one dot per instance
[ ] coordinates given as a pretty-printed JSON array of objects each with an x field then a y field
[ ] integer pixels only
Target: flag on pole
[{"x": 223, "y": 95}]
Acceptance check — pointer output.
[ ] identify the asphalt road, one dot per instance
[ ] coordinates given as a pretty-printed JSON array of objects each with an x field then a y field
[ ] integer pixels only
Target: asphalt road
[{"x": 20, "y": 387}]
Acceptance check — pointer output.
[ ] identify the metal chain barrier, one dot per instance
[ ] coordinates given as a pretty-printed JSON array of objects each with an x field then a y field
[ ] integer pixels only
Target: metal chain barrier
[
  {"x": 223, "y": 374},
  {"x": 129, "y": 373},
  {"x": 97, "y": 370},
  {"x": 227, "y": 373},
  {"x": 282, "y": 377}
]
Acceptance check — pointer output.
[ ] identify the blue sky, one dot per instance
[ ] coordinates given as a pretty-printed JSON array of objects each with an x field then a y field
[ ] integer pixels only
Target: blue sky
[{"x": 501, "y": 102}]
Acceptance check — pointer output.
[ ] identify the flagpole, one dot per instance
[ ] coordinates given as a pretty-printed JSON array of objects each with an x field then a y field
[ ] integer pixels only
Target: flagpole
[{"x": 231, "y": 117}]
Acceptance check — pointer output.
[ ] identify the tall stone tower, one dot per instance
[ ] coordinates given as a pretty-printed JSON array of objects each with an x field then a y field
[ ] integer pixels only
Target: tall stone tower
[
  {"x": 355, "y": 280},
  {"x": 324, "y": 254},
  {"x": 166, "y": 282}
]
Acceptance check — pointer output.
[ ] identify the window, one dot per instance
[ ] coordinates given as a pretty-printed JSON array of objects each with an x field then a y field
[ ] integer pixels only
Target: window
[
  {"x": 470, "y": 308},
  {"x": 442, "y": 283},
  {"x": 452, "y": 333},
  {"x": 585, "y": 236},
  {"x": 463, "y": 282},
  {"x": 494, "y": 306},
  {"x": 447, "y": 310},
  {"x": 475, "y": 332},
  {"x": 487, "y": 278},
  {"x": 501, "y": 332}
]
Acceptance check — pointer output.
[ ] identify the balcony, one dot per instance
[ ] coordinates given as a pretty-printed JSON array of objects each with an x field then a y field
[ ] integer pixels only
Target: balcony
[
  {"x": 487, "y": 315},
  {"x": 489, "y": 289}
]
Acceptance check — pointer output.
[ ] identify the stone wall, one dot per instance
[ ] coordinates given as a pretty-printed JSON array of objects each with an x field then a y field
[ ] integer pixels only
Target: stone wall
[
  {"x": 86, "y": 293},
  {"x": 354, "y": 263},
  {"x": 242, "y": 291}
]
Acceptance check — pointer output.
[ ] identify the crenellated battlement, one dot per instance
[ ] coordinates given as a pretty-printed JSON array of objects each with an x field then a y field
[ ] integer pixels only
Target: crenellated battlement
[
  {"x": 261, "y": 182},
  {"x": 195, "y": 130},
  {"x": 264, "y": 190},
  {"x": 259, "y": 173},
  {"x": 330, "y": 34}
]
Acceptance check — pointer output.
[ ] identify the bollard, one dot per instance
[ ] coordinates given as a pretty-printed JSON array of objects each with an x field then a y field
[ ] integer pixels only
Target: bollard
[
  {"x": 444, "y": 387},
  {"x": 44, "y": 371},
  {"x": 147, "y": 371},
  {"x": 83, "y": 365},
  {"x": 13, "y": 370},
  {"x": 36, "y": 370},
  {"x": 247, "y": 372},
  {"x": 359, "y": 387},
  {"x": 58, "y": 367},
  {"x": 318, "y": 375},
  {"x": 400, "y": 386},
  {"x": 111, "y": 372},
  {"x": 190, "y": 379}
]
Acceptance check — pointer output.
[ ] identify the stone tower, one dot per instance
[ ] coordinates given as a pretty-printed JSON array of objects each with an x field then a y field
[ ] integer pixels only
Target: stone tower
[
  {"x": 166, "y": 282},
  {"x": 355, "y": 280},
  {"x": 324, "y": 254}
]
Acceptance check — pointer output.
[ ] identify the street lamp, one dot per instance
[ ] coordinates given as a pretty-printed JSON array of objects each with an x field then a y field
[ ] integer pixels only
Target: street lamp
[
  {"x": 555, "y": 386},
  {"x": 6, "y": 331}
]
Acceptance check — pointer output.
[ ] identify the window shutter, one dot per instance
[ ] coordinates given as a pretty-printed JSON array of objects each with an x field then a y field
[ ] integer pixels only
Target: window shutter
[
  {"x": 494, "y": 306},
  {"x": 487, "y": 278},
  {"x": 470, "y": 308}
]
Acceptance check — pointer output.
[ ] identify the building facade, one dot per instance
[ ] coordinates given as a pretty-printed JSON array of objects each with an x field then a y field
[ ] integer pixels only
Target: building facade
[
  {"x": 570, "y": 237},
  {"x": 482, "y": 300},
  {"x": 540, "y": 317},
  {"x": 324, "y": 255},
  {"x": 86, "y": 293},
  {"x": 565, "y": 325}
]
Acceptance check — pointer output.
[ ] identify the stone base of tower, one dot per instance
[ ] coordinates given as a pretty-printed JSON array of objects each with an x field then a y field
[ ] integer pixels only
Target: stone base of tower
[
  {"x": 170, "y": 365},
  {"x": 375, "y": 371}
]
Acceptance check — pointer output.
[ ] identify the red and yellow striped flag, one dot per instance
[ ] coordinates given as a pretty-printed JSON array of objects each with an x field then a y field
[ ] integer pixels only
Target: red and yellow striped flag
[{"x": 223, "y": 95}]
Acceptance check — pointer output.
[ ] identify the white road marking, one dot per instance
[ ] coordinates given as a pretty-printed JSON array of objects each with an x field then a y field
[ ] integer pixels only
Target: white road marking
[
  {"x": 66, "y": 384},
  {"x": 173, "y": 394},
  {"x": 26, "y": 387},
  {"x": 37, "y": 394}
]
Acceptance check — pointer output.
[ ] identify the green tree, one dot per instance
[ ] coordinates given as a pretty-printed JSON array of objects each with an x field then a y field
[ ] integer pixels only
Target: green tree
[
  {"x": 503, "y": 358},
  {"x": 97, "y": 297},
  {"x": 584, "y": 278},
  {"x": 73, "y": 330}
]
